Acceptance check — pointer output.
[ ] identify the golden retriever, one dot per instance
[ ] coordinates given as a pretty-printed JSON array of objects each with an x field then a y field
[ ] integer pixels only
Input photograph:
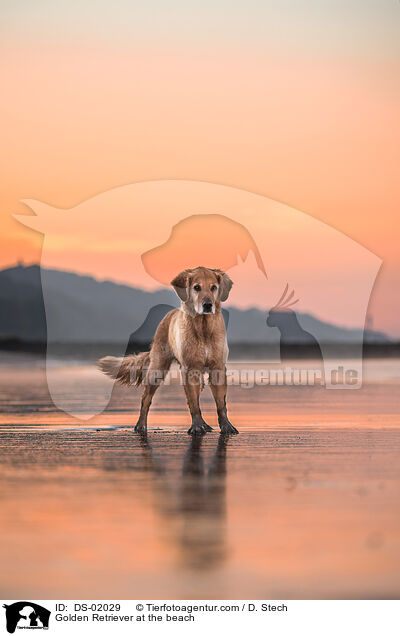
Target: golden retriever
[{"x": 195, "y": 337}]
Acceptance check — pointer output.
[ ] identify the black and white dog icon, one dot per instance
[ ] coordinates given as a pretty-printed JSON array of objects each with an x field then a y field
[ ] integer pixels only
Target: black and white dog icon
[{"x": 27, "y": 615}]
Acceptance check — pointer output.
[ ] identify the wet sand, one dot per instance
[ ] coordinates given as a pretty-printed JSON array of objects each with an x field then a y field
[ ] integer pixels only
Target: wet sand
[{"x": 304, "y": 503}]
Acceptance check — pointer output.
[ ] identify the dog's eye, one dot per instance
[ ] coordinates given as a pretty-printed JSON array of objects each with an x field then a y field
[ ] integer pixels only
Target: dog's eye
[
  {"x": 197, "y": 288},
  {"x": 213, "y": 287}
]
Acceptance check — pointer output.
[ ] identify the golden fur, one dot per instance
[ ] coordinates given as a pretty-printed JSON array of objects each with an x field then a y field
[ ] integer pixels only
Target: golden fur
[{"x": 195, "y": 337}]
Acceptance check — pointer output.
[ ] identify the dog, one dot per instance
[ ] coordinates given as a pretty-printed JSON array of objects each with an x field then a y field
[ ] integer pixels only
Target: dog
[{"x": 195, "y": 337}]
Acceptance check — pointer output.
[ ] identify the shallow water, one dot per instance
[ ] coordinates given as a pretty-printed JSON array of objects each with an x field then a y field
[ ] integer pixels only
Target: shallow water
[{"x": 304, "y": 503}]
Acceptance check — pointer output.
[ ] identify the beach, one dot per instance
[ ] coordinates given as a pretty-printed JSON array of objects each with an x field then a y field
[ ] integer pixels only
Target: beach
[{"x": 303, "y": 503}]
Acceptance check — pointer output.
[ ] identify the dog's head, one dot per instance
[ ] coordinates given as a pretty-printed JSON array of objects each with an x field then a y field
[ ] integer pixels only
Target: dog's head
[{"x": 202, "y": 289}]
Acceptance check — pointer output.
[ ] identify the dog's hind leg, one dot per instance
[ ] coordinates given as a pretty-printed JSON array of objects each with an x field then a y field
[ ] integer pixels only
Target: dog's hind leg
[
  {"x": 141, "y": 424},
  {"x": 156, "y": 373},
  {"x": 217, "y": 381},
  {"x": 192, "y": 382}
]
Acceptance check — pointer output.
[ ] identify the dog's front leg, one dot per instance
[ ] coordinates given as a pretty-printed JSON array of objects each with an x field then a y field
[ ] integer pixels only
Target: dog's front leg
[
  {"x": 217, "y": 381},
  {"x": 192, "y": 380}
]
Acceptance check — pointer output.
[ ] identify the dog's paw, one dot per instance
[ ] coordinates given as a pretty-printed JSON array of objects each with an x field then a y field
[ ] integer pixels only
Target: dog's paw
[
  {"x": 141, "y": 428},
  {"x": 199, "y": 428},
  {"x": 228, "y": 429}
]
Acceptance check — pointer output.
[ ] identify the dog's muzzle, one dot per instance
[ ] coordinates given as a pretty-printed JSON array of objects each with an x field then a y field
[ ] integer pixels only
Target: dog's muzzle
[{"x": 208, "y": 307}]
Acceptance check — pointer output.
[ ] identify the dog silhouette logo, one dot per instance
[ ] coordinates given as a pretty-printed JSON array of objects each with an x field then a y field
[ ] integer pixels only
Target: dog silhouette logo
[
  {"x": 142, "y": 234},
  {"x": 26, "y": 615}
]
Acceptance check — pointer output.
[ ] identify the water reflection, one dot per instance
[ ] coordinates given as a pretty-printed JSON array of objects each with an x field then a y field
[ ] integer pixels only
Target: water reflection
[{"x": 198, "y": 505}]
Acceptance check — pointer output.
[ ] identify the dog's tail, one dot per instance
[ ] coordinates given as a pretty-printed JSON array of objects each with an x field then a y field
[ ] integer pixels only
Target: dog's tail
[{"x": 127, "y": 370}]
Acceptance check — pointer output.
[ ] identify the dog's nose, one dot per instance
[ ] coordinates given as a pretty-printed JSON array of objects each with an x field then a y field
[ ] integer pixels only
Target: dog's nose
[{"x": 207, "y": 307}]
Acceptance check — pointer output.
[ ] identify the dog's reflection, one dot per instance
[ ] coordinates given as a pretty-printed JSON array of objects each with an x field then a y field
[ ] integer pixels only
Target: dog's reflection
[{"x": 198, "y": 505}]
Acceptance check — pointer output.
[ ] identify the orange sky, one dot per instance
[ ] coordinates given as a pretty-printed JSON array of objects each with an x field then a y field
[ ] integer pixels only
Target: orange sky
[{"x": 316, "y": 128}]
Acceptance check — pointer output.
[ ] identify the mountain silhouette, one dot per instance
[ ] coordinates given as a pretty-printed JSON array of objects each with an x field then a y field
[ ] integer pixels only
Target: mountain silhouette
[{"x": 89, "y": 310}]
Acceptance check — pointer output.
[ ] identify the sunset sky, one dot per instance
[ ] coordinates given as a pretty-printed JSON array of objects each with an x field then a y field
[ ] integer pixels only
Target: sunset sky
[{"x": 295, "y": 101}]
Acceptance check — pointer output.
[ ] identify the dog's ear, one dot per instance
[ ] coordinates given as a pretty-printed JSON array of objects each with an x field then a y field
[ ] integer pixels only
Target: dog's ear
[
  {"x": 181, "y": 284},
  {"x": 225, "y": 284}
]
